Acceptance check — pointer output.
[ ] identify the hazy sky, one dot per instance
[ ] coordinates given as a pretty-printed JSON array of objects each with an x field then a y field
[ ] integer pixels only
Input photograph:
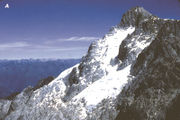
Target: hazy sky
[{"x": 65, "y": 28}]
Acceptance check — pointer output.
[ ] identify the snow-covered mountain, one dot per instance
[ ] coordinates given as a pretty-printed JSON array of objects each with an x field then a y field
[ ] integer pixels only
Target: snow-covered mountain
[
  {"x": 112, "y": 75},
  {"x": 15, "y": 75}
]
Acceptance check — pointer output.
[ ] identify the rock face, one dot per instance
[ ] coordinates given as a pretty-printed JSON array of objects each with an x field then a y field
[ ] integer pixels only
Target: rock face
[
  {"x": 156, "y": 82},
  {"x": 135, "y": 17},
  {"x": 134, "y": 68}
]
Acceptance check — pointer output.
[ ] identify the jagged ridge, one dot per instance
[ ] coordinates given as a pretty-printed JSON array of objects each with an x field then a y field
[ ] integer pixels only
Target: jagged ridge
[
  {"x": 157, "y": 78},
  {"x": 89, "y": 89}
]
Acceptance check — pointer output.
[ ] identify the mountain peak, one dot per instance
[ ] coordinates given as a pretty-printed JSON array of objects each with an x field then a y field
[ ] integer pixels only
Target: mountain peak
[
  {"x": 140, "y": 10},
  {"x": 146, "y": 70},
  {"x": 135, "y": 16}
]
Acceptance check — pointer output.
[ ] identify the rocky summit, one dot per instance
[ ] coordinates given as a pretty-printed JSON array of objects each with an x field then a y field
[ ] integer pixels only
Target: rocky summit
[{"x": 132, "y": 73}]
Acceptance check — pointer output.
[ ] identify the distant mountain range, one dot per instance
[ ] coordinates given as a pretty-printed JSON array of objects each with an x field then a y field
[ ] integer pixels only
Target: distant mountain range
[{"x": 15, "y": 75}]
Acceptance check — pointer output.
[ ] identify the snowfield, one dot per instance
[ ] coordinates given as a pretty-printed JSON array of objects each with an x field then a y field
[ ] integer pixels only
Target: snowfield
[
  {"x": 48, "y": 100},
  {"x": 88, "y": 90},
  {"x": 110, "y": 84},
  {"x": 107, "y": 87}
]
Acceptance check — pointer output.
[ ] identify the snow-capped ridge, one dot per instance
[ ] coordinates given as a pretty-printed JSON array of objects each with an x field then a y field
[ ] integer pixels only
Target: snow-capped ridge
[{"x": 89, "y": 90}]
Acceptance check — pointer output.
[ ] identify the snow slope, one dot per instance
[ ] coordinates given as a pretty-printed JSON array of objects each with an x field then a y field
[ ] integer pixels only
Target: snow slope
[
  {"x": 108, "y": 86},
  {"x": 89, "y": 89},
  {"x": 47, "y": 102},
  {"x": 15, "y": 75},
  {"x": 111, "y": 83}
]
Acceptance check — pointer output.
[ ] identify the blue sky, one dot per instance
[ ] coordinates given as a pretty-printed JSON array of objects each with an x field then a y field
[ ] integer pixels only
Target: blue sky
[{"x": 65, "y": 28}]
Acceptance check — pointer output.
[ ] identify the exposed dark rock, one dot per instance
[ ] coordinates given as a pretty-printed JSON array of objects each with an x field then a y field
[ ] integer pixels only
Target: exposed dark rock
[
  {"x": 157, "y": 78},
  {"x": 12, "y": 96},
  {"x": 43, "y": 82},
  {"x": 146, "y": 25},
  {"x": 130, "y": 113},
  {"x": 166, "y": 47},
  {"x": 153, "y": 91},
  {"x": 73, "y": 77},
  {"x": 135, "y": 16},
  {"x": 173, "y": 112},
  {"x": 123, "y": 51}
]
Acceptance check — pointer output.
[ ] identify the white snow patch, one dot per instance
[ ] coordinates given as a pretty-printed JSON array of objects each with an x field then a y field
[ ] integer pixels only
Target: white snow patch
[
  {"x": 113, "y": 42},
  {"x": 142, "y": 44},
  {"x": 109, "y": 86},
  {"x": 113, "y": 81}
]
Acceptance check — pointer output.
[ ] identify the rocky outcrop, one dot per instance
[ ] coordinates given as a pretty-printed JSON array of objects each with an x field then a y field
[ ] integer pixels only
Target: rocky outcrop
[
  {"x": 146, "y": 26},
  {"x": 135, "y": 17},
  {"x": 134, "y": 68},
  {"x": 172, "y": 112},
  {"x": 43, "y": 82},
  {"x": 156, "y": 80}
]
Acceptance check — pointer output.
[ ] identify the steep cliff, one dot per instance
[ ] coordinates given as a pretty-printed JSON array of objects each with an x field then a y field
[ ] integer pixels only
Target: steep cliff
[
  {"x": 131, "y": 73},
  {"x": 156, "y": 84}
]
